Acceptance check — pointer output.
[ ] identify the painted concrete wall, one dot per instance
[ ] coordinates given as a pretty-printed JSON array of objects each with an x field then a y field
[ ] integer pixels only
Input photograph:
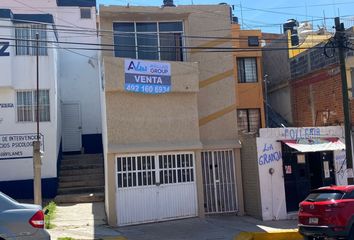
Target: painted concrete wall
[
  {"x": 272, "y": 186},
  {"x": 250, "y": 175},
  {"x": 249, "y": 95},
  {"x": 78, "y": 69},
  {"x": 137, "y": 123},
  {"x": 20, "y": 74},
  {"x": 276, "y": 66},
  {"x": 216, "y": 97},
  {"x": 155, "y": 119}
]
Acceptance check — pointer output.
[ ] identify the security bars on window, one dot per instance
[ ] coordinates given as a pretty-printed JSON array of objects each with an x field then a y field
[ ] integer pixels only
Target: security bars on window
[
  {"x": 155, "y": 169},
  {"x": 247, "y": 70},
  {"x": 27, "y": 107},
  {"x": 248, "y": 120},
  {"x": 26, "y": 39}
]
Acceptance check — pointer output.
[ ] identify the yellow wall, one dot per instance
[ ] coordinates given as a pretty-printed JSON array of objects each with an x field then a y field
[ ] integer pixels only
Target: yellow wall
[
  {"x": 248, "y": 95},
  {"x": 309, "y": 42}
]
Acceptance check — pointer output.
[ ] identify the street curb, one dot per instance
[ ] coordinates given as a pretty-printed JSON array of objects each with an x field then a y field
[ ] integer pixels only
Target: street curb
[{"x": 288, "y": 235}]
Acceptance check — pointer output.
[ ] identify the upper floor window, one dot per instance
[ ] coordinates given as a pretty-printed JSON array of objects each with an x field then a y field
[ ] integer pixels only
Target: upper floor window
[
  {"x": 247, "y": 70},
  {"x": 26, "y": 39},
  {"x": 85, "y": 13},
  {"x": 27, "y": 106},
  {"x": 249, "y": 120},
  {"x": 149, "y": 40}
]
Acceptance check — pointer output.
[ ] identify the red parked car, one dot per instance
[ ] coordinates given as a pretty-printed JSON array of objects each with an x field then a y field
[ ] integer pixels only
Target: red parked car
[{"x": 328, "y": 212}]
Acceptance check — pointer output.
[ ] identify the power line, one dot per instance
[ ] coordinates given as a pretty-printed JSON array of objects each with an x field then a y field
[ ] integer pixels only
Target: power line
[
  {"x": 142, "y": 35},
  {"x": 314, "y": 5},
  {"x": 104, "y": 47}
]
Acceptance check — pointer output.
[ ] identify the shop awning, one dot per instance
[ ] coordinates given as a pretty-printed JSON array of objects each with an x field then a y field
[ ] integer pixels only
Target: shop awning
[{"x": 315, "y": 144}]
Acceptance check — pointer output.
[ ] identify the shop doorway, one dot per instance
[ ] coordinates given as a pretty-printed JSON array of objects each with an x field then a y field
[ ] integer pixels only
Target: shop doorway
[{"x": 304, "y": 172}]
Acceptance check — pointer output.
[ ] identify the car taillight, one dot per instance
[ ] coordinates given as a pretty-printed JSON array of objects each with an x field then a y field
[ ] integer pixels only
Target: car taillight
[
  {"x": 37, "y": 220},
  {"x": 300, "y": 207}
]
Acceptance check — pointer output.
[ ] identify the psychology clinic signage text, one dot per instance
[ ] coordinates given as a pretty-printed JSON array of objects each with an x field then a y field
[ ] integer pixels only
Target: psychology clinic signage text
[
  {"x": 16, "y": 146},
  {"x": 147, "y": 77}
]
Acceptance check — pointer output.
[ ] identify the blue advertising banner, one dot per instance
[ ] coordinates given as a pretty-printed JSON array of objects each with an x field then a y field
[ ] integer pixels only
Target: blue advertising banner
[{"x": 147, "y": 77}]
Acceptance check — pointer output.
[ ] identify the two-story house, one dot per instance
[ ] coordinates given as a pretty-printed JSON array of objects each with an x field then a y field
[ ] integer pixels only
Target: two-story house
[{"x": 169, "y": 117}]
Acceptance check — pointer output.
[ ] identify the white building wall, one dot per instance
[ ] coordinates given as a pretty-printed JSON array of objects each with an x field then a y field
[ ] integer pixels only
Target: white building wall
[
  {"x": 19, "y": 73},
  {"x": 78, "y": 69},
  {"x": 272, "y": 186}
]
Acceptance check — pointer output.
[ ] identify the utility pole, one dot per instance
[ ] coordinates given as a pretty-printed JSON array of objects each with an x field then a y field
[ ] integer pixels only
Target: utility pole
[
  {"x": 37, "y": 162},
  {"x": 340, "y": 39}
]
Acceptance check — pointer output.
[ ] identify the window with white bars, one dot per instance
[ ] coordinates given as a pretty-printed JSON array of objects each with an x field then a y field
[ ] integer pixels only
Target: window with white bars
[
  {"x": 248, "y": 120},
  {"x": 27, "y": 106},
  {"x": 26, "y": 44},
  {"x": 154, "y": 169},
  {"x": 136, "y": 171},
  {"x": 176, "y": 168},
  {"x": 247, "y": 70}
]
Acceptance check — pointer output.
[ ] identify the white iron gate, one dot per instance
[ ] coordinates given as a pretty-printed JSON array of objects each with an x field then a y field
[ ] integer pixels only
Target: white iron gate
[
  {"x": 155, "y": 187},
  {"x": 219, "y": 182}
]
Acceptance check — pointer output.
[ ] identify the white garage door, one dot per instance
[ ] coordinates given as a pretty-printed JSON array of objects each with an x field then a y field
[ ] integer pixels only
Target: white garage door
[{"x": 155, "y": 187}]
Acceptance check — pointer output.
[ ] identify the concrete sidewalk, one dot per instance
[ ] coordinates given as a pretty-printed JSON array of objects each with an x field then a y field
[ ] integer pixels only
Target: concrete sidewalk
[
  {"x": 82, "y": 221},
  {"x": 88, "y": 221}
]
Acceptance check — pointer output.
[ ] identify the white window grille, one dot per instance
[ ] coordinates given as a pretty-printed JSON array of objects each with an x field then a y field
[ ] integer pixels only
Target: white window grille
[
  {"x": 149, "y": 170},
  {"x": 27, "y": 107},
  {"x": 26, "y": 39}
]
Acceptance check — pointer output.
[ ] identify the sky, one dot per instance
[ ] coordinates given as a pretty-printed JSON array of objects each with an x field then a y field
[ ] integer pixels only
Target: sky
[{"x": 269, "y": 15}]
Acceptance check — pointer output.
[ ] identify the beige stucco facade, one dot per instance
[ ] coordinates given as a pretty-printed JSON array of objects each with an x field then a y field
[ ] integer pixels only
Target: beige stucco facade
[{"x": 199, "y": 114}]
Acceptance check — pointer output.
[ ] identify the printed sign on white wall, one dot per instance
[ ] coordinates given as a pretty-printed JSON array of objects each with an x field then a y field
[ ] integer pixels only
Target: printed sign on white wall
[
  {"x": 147, "y": 77},
  {"x": 17, "y": 146}
]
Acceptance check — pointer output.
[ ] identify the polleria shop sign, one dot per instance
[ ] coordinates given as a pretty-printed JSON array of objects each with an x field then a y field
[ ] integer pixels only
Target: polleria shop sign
[{"x": 147, "y": 77}]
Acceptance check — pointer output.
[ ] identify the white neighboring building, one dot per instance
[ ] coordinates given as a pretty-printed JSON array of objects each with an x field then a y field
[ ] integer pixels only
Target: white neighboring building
[
  {"x": 78, "y": 69},
  {"x": 17, "y": 104},
  {"x": 75, "y": 120}
]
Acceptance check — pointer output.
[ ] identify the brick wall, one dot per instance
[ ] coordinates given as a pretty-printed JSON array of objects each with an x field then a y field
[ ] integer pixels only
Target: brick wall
[
  {"x": 317, "y": 98},
  {"x": 250, "y": 175}
]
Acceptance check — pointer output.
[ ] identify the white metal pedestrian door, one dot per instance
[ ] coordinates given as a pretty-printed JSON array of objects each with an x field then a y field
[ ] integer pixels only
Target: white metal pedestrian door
[
  {"x": 155, "y": 187},
  {"x": 71, "y": 127},
  {"x": 219, "y": 182}
]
